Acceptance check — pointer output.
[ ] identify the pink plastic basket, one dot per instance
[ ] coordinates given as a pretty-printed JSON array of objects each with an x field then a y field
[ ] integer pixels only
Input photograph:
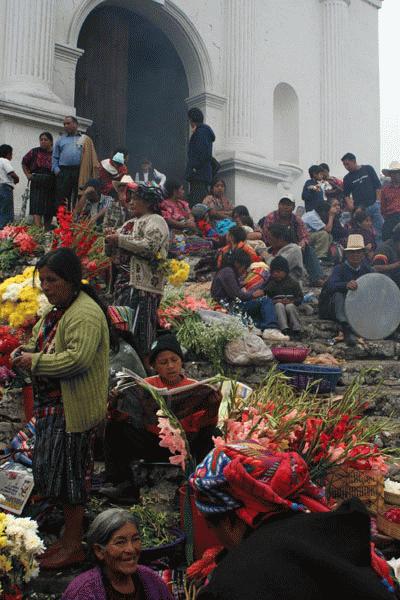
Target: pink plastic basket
[{"x": 290, "y": 355}]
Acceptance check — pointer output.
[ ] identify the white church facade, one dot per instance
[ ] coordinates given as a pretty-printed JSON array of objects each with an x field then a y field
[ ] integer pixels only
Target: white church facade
[{"x": 283, "y": 83}]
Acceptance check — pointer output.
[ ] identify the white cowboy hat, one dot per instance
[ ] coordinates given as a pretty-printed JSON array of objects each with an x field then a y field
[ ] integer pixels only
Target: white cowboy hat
[
  {"x": 394, "y": 166},
  {"x": 355, "y": 242}
]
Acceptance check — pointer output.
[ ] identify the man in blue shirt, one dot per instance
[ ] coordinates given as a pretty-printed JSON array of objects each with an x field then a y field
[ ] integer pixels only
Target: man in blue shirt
[
  {"x": 363, "y": 185},
  {"x": 66, "y": 162},
  {"x": 199, "y": 170}
]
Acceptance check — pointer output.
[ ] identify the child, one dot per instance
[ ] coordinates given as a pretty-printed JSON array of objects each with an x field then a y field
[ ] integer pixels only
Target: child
[
  {"x": 361, "y": 224},
  {"x": 8, "y": 178},
  {"x": 201, "y": 214},
  {"x": 286, "y": 294},
  {"x": 236, "y": 238}
]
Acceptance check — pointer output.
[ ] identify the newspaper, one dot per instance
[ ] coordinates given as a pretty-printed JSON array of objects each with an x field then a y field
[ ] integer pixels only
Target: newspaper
[{"x": 16, "y": 485}]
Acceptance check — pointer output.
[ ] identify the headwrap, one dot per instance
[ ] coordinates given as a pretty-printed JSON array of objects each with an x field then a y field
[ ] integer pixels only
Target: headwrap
[
  {"x": 254, "y": 482},
  {"x": 257, "y": 483}
]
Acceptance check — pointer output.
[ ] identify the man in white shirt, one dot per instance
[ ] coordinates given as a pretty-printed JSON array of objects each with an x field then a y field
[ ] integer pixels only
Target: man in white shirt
[
  {"x": 148, "y": 174},
  {"x": 8, "y": 178}
]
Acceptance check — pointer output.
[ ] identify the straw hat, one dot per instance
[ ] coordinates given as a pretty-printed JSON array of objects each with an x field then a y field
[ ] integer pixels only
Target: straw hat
[
  {"x": 355, "y": 242},
  {"x": 394, "y": 166}
]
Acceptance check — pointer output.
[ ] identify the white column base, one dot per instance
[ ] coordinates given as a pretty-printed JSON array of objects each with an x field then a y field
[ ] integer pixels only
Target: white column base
[{"x": 253, "y": 180}]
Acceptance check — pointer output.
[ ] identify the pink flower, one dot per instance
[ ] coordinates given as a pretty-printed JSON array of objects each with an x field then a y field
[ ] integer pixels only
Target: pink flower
[
  {"x": 219, "y": 441},
  {"x": 171, "y": 438}
]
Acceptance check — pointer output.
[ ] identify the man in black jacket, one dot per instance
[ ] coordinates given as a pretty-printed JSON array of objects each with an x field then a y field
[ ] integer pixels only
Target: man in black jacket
[{"x": 198, "y": 168}]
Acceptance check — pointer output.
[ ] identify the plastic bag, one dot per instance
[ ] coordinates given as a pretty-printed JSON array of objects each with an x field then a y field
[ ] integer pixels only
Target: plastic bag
[{"x": 249, "y": 349}]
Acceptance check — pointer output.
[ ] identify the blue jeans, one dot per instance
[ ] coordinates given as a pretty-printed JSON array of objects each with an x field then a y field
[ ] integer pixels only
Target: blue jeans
[
  {"x": 262, "y": 311},
  {"x": 312, "y": 264},
  {"x": 6, "y": 205},
  {"x": 374, "y": 211}
]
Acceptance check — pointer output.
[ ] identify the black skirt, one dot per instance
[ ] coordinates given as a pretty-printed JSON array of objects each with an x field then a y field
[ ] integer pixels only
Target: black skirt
[{"x": 42, "y": 195}]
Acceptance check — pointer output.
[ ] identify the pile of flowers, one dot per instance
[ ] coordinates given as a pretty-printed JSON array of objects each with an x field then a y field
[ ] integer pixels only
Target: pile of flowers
[
  {"x": 178, "y": 272},
  {"x": 21, "y": 300},
  {"x": 84, "y": 239},
  {"x": 18, "y": 242},
  {"x": 9, "y": 340},
  {"x": 175, "y": 308},
  {"x": 326, "y": 434},
  {"x": 20, "y": 546}
]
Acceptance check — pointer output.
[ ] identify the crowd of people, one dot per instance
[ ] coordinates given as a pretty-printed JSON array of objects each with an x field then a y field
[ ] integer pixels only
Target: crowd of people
[{"x": 259, "y": 269}]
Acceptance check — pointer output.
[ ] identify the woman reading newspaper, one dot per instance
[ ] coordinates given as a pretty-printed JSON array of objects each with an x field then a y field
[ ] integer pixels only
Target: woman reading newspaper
[{"x": 134, "y": 435}]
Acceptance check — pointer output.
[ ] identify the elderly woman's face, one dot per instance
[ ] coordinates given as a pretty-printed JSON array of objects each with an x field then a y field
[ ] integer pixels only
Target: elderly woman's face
[
  {"x": 137, "y": 206},
  {"x": 57, "y": 291},
  {"x": 121, "y": 554}
]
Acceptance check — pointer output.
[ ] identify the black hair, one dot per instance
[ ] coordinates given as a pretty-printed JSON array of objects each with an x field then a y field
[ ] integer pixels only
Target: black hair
[
  {"x": 74, "y": 119},
  {"x": 241, "y": 257},
  {"x": 5, "y": 150},
  {"x": 121, "y": 149},
  {"x": 240, "y": 211},
  {"x": 359, "y": 215},
  {"x": 196, "y": 116},
  {"x": 322, "y": 209},
  {"x": 348, "y": 156},
  {"x": 146, "y": 160},
  {"x": 65, "y": 263},
  {"x": 216, "y": 180},
  {"x": 215, "y": 518},
  {"x": 281, "y": 232},
  {"x": 170, "y": 186},
  {"x": 286, "y": 201},
  {"x": 150, "y": 194},
  {"x": 324, "y": 167},
  {"x": 313, "y": 170},
  {"x": 238, "y": 234},
  {"x": 48, "y": 135},
  {"x": 247, "y": 220}
]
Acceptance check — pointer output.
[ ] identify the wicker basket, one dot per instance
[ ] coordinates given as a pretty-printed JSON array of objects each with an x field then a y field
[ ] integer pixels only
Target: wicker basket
[
  {"x": 391, "y": 498},
  {"x": 387, "y": 527},
  {"x": 368, "y": 486}
]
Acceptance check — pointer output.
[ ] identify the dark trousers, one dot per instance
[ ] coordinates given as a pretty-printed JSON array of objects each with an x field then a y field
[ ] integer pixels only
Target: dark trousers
[
  {"x": 262, "y": 311},
  {"x": 6, "y": 204},
  {"x": 67, "y": 186},
  {"x": 124, "y": 443},
  {"x": 198, "y": 191}
]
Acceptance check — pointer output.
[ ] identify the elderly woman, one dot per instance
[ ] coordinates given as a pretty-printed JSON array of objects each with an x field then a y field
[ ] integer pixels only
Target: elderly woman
[
  {"x": 281, "y": 540},
  {"x": 144, "y": 240},
  {"x": 114, "y": 540},
  {"x": 68, "y": 358}
]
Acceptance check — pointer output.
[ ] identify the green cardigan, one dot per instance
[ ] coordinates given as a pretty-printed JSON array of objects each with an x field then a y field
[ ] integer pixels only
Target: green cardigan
[{"x": 80, "y": 362}]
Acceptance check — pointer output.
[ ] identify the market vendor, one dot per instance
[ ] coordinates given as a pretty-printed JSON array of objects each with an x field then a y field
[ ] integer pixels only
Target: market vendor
[
  {"x": 68, "y": 357},
  {"x": 280, "y": 540},
  {"x": 128, "y": 439}
]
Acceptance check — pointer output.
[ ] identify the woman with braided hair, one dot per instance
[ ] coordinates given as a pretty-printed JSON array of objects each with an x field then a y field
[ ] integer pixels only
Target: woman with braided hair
[
  {"x": 279, "y": 539},
  {"x": 144, "y": 240}
]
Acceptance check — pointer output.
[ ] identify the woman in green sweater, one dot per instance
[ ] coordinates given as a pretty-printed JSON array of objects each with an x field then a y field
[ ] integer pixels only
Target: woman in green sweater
[{"x": 68, "y": 357}]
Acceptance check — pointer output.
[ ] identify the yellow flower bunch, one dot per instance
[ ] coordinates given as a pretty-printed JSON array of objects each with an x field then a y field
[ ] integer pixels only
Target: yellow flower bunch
[
  {"x": 178, "y": 272},
  {"x": 21, "y": 299}
]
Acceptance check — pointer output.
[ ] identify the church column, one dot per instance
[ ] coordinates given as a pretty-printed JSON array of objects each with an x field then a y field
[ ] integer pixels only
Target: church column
[
  {"x": 29, "y": 49},
  {"x": 334, "y": 36},
  {"x": 240, "y": 40}
]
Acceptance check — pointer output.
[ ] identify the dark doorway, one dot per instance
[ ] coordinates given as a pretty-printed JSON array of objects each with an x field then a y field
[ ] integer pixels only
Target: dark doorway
[{"x": 132, "y": 84}]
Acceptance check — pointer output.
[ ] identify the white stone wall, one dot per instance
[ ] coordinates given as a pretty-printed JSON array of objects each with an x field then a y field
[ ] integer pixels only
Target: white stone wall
[{"x": 235, "y": 53}]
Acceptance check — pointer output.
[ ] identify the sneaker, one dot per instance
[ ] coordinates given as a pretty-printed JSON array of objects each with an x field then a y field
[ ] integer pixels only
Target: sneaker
[
  {"x": 274, "y": 335},
  {"x": 123, "y": 493}
]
